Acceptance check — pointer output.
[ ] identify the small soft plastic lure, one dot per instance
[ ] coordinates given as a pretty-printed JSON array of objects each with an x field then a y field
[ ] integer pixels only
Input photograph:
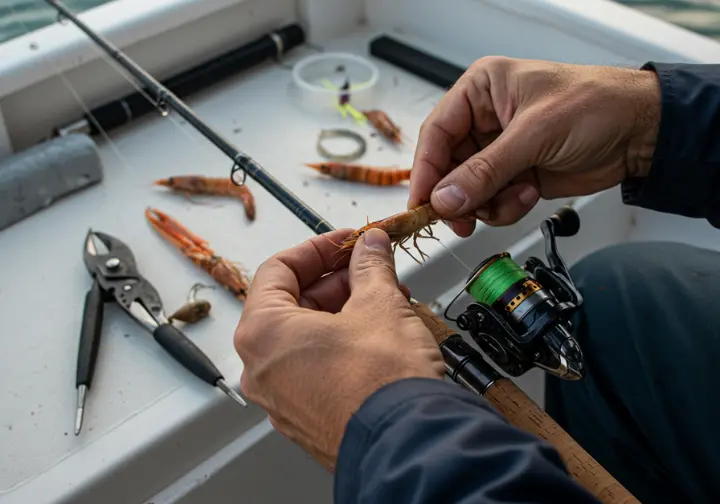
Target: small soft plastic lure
[{"x": 194, "y": 310}]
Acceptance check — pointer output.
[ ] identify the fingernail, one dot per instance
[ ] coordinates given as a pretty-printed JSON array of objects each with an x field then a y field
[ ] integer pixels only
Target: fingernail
[
  {"x": 483, "y": 213},
  {"x": 528, "y": 196},
  {"x": 451, "y": 197},
  {"x": 376, "y": 239}
]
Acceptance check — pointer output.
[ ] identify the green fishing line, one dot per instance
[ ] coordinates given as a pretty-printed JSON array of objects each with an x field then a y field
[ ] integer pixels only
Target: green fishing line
[{"x": 495, "y": 280}]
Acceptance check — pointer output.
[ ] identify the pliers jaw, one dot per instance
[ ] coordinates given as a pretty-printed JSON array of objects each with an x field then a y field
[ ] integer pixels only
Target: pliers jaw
[
  {"x": 112, "y": 265},
  {"x": 107, "y": 256}
]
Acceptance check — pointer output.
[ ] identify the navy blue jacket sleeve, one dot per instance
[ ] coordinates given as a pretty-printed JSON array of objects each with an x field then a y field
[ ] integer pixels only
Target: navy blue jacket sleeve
[
  {"x": 684, "y": 177},
  {"x": 423, "y": 441}
]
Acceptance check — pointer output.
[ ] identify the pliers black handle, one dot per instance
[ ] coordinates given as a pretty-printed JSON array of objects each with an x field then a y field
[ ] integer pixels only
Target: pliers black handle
[
  {"x": 90, "y": 332},
  {"x": 187, "y": 353},
  {"x": 116, "y": 278}
]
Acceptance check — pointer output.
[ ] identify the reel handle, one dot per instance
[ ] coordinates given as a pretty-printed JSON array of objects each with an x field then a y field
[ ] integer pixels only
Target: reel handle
[
  {"x": 566, "y": 222},
  {"x": 523, "y": 413}
]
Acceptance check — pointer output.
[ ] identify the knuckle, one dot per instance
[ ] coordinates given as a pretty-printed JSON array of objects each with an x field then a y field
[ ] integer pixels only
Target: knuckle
[
  {"x": 246, "y": 386},
  {"x": 481, "y": 174},
  {"x": 239, "y": 337},
  {"x": 251, "y": 389},
  {"x": 245, "y": 338},
  {"x": 266, "y": 262},
  {"x": 377, "y": 269},
  {"x": 431, "y": 124},
  {"x": 276, "y": 424},
  {"x": 373, "y": 260},
  {"x": 491, "y": 63},
  {"x": 382, "y": 296}
]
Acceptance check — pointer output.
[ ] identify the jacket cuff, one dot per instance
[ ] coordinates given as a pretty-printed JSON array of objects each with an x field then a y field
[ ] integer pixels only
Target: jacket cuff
[
  {"x": 679, "y": 182},
  {"x": 377, "y": 413}
]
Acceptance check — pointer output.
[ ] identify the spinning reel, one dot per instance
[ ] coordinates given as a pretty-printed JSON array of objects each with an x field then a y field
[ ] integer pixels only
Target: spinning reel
[{"x": 521, "y": 317}]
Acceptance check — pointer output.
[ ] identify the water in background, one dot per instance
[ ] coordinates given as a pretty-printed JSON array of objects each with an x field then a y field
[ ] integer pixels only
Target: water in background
[
  {"x": 701, "y": 16},
  {"x": 17, "y": 17}
]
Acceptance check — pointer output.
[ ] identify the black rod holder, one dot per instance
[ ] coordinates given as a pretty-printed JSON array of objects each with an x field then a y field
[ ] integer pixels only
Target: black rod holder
[{"x": 419, "y": 63}]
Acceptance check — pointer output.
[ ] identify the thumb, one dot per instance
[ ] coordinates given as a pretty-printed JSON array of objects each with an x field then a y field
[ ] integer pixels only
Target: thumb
[
  {"x": 482, "y": 176},
  {"x": 372, "y": 265}
]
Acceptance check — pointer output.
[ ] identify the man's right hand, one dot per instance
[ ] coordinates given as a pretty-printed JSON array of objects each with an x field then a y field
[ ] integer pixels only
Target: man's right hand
[{"x": 511, "y": 131}]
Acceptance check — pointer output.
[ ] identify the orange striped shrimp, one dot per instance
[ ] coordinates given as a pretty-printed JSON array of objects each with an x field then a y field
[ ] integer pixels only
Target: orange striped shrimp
[
  {"x": 361, "y": 173},
  {"x": 197, "y": 184},
  {"x": 381, "y": 121},
  {"x": 400, "y": 228},
  {"x": 223, "y": 271}
]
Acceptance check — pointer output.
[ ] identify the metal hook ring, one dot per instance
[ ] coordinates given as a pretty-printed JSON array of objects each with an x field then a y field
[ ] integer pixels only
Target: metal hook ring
[
  {"x": 341, "y": 133},
  {"x": 236, "y": 168},
  {"x": 161, "y": 102},
  {"x": 279, "y": 46}
]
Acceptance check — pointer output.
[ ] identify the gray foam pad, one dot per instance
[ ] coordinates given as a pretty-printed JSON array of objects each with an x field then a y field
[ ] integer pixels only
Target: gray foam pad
[{"x": 37, "y": 177}]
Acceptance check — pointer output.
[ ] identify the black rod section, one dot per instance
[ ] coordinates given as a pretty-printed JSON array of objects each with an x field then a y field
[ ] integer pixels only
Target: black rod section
[
  {"x": 134, "y": 105},
  {"x": 466, "y": 366},
  {"x": 165, "y": 99},
  {"x": 424, "y": 65}
]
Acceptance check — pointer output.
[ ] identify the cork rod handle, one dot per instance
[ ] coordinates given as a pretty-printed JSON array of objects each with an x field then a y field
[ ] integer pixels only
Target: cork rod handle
[{"x": 525, "y": 414}]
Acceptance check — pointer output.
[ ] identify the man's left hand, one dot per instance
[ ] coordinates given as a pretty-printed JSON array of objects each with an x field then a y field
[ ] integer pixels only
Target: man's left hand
[{"x": 318, "y": 338}]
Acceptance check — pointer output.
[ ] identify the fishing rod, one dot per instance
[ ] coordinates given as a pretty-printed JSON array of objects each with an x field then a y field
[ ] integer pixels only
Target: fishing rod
[{"x": 463, "y": 364}]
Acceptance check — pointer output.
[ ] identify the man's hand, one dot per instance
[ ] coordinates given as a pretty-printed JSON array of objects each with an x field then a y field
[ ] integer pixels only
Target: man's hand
[
  {"x": 510, "y": 131},
  {"x": 317, "y": 339}
]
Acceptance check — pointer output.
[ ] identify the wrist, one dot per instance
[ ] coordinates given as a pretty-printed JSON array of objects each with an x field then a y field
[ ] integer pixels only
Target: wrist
[{"x": 646, "y": 100}]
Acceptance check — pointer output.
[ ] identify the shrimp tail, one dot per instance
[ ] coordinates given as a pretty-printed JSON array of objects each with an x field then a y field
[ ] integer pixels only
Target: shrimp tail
[
  {"x": 248, "y": 201},
  {"x": 166, "y": 182}
]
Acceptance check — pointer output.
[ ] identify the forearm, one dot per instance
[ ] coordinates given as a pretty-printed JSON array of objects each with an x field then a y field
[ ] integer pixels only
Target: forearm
[
  {"x": 423, "y": 441},
  {"x": 679, "y": 172}
]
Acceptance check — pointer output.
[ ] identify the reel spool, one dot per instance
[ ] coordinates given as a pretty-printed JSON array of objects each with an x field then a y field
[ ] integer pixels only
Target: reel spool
[{"x": 521, "y": 317}]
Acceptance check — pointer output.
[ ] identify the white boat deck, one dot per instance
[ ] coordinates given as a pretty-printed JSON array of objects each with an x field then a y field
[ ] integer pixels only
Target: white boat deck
[{"x": 153, "y": 432}]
